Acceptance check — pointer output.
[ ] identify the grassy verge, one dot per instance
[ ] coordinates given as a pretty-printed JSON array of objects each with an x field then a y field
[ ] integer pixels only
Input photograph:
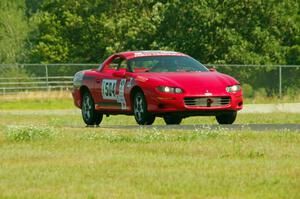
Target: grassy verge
[
  {"x": 37, "y": 100},
  {"x": 76, "y": 120},
  {"x": 37, "y": 104},
  {"x": 56, "y": 162},
  {"x": 55, "y": 156},
  {"x": 261, "y": 99},
  {"x": 63, "y": 100}
]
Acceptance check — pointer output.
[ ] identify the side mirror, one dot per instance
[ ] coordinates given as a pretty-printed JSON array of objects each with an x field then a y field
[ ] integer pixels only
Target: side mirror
[
  {"x": 213, "y": 70},
  {"x": 119, "y": 73}
]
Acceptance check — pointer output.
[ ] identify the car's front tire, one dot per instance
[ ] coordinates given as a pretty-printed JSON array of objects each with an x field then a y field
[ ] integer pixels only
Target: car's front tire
[
  {"x": 141, "y": 114},
  {"x": 226, "y": 118},
  {"x": 172, "y": 119},
  {"x": 89, "y": 114}
]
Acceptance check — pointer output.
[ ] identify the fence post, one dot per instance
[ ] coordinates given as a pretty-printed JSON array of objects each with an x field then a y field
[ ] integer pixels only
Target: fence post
[
  {"x": 280, "y": 82},
  {"x": 47, "y": 77},
  {"x": 18, "y": 76}
]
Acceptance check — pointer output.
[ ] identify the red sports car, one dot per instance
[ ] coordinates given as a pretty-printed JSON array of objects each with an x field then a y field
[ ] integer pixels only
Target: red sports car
[{"x": 149, "y": 84}]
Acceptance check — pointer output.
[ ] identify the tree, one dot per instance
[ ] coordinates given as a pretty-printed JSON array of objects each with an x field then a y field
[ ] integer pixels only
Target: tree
[
  {"x": 234, "y": 32},
  {"x": 216, "y": 31},
  {"x": 13, "y": 31},
  {"x": 89, "y": 31}
]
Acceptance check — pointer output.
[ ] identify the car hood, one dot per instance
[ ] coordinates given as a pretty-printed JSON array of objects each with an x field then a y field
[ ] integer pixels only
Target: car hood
[{"x": 193, "y": 82}]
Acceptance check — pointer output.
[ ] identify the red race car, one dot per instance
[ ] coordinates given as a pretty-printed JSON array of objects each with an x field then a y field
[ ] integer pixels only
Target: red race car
[{"x": 149, "y": 84}]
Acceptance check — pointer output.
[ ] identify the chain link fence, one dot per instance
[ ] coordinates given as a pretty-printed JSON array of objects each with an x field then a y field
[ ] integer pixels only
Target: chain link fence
[
  {"x": 15, "y": 78},
  {"x": 268, "y": 80}
]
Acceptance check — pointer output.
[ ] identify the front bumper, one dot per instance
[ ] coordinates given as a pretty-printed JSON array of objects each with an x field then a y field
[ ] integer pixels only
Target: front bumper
[
  {"x": 177, "y": 103},
  {"x": 76, "y": 97}
]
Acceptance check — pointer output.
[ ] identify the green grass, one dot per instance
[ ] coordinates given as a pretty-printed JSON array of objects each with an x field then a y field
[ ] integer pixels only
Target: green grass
[
  {"x": 37, "y": 101},
  {"x": 36, "y": 104},
  {"x": 55, "y": 156},
  {"x": 93, "y": 163},
  {"x": 262, "y": 99},
  {"x": 63, "y": 100},
  {"x": 76, "y": 120}
]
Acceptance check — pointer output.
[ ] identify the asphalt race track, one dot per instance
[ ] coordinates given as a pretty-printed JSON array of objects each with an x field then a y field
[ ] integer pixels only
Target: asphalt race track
[
  {"x": 254, "y": 127},
  {"x": 248, "y": 109}
]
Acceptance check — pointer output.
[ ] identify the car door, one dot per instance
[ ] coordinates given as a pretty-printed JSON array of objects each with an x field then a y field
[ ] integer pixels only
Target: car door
[{"x": 111, "y": 86}]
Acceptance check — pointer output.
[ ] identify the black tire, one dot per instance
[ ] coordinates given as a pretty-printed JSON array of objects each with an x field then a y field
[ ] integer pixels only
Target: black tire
[
  {"x": 141, "y": 114},
  {"x": 150, "y": 120},
  {"x": 172, "y": 119},
  {"x": 89, "y": 115},
  {"x": 226, "y": 118},
  {"x": 98, "y": 118}
]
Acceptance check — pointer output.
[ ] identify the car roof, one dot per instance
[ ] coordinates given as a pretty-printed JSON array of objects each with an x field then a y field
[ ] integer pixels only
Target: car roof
[{"x": 149, "y": 53}]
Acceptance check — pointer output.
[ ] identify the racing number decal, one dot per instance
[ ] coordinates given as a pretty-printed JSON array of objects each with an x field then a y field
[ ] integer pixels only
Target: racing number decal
[
  {"x": 109, "y": 89},
  {"x": 121, "y": 97}
]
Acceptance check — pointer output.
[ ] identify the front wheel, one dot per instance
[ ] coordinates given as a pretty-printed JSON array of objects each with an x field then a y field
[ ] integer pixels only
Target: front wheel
[
  {"x": 226, "y": 118},
  {"x": 172, "y": 119},
  {"x": 89, "y": 114},
  {"x": 141, "y": 115}
]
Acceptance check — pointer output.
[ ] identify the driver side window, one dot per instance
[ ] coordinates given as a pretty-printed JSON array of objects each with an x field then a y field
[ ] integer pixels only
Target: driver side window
[{"x": 118, "y": 64}]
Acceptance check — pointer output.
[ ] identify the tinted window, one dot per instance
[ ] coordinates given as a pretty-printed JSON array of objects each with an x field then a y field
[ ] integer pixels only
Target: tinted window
[
  {"x": 118, "y": 63},
  {"x": 165, "y": 64}
]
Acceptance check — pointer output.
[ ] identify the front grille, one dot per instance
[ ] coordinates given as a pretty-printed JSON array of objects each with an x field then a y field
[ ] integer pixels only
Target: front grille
[{"x": 207, "y": 101}]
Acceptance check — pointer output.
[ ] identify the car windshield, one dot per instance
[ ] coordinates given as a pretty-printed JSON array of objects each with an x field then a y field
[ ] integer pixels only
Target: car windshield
[{"x": 165, "y": 64}]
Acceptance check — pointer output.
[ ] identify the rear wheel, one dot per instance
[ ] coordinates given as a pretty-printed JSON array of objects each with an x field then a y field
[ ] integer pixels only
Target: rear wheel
[
  {"x": 89, "y": 114},
  {"x": 226, "y": 118},
  {"x": 141, "y": 115},
  {"x": 172, "y": 119}
]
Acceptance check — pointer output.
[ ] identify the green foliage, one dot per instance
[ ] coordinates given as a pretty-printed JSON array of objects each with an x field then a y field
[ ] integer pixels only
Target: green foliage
[
  {"x": 13, "y": 31},
  {"x": 29, "y": 133},
  {"x": 82, "y": 31},
  {"x": 240, "y": 32},
  {"x": 249, "y": 32},
  {"x": 260, "y": 92},
  {"x": 293, "y": 55},
  {"x": 247, "y": 91},
  {"x": 87, "y": 31},
  {"x": 12, "y": 70}
]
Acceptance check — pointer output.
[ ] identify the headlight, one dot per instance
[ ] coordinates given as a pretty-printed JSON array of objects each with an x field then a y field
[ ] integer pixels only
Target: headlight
[
  {"x": 167, "y": 89},
  {"x": 233, "y": 88}
]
